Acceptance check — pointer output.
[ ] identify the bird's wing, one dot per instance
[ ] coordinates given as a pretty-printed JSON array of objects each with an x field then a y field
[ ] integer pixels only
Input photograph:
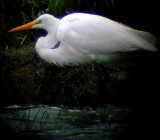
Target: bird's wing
[{"x": 98, "y": 35}]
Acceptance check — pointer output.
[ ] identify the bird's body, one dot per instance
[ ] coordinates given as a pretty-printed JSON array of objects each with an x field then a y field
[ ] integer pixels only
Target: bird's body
[{"x": 80, "y": 38}]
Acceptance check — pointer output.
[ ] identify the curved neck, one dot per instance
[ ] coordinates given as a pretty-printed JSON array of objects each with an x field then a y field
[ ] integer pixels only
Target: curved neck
[
  {"x": 51, "y": 37},
  {"x": 51, "y": 28}
]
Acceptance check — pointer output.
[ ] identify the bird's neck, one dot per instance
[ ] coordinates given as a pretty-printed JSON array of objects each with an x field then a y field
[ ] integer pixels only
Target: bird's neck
[
  {"x": 51, "y": 40},
  {"x": 52, "y": 27},
  {"x": 51, "y": 37}
]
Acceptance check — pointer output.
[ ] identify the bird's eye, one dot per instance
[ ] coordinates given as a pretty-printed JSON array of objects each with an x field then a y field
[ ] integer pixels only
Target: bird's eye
[{"x": 40, "y": 21}]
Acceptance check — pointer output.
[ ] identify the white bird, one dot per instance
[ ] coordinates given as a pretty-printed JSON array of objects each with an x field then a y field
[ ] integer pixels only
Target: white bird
[{"x": 81, "y": 38}]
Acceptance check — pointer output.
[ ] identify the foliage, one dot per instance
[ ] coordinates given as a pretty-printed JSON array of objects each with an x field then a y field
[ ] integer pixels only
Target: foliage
[
  {"x": 14, "y": 13},
  {"x": 25, "y": 78},
  {"x": 29, "y": 78}
]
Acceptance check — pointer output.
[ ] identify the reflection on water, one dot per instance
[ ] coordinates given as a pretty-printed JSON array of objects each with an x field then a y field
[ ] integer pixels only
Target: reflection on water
[{"x": 60, "y": 123}]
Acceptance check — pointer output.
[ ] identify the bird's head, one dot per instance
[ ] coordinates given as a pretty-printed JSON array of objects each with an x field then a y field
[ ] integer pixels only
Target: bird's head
[{"x": 42, "y": 22}]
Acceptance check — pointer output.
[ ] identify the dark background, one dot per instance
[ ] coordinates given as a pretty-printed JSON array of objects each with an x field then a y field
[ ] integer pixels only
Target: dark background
[{"x": 26, "y": 79}]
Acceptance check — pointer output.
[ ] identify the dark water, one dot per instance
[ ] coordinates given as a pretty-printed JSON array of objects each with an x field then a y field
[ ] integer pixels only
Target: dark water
[{"x": 60, "y": 123}]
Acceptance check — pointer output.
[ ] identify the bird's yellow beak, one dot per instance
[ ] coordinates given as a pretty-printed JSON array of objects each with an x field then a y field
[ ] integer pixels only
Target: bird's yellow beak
[{"x": 23, "y": 27}]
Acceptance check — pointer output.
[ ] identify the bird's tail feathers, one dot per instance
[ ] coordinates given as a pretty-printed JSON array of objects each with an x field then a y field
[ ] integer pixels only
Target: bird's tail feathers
[{"x": 144, "y": 40}]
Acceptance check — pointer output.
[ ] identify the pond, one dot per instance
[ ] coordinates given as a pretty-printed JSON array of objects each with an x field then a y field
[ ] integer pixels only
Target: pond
[{"x": 62, "y": 123}]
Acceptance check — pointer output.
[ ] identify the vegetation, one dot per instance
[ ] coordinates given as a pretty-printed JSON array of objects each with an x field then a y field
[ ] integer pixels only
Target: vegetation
[{"x": 26, "y": 79}]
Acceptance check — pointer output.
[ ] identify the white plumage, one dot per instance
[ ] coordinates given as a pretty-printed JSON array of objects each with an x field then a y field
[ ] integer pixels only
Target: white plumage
[{"x": 81, "y": 38}]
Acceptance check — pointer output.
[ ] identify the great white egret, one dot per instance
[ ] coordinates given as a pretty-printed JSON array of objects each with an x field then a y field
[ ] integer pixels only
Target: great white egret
[{"x": 81, "y": 37}]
